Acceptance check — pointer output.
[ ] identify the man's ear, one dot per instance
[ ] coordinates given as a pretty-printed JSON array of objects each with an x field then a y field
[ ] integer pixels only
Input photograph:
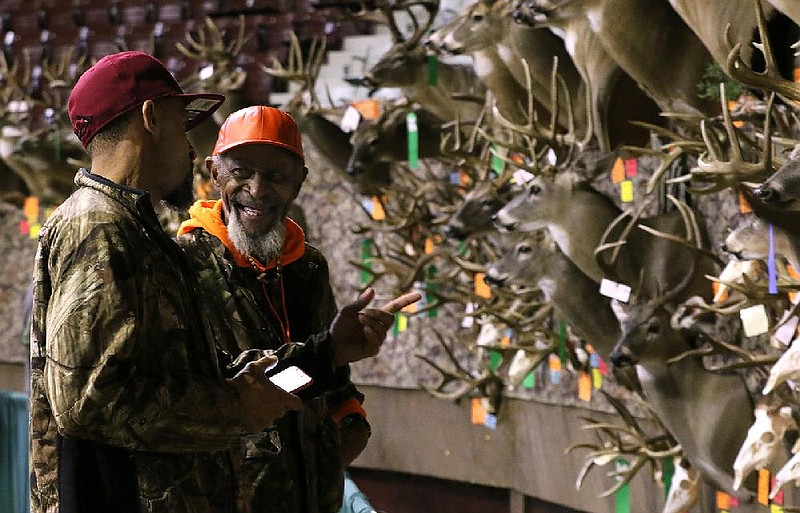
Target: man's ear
[
  {"x": 211, "y": 167},
  {"x": 149, "y": 116}
]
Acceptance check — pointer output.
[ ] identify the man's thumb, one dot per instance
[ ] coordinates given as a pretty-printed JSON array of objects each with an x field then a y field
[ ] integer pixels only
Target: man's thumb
[{"x": 265, "y": 363}]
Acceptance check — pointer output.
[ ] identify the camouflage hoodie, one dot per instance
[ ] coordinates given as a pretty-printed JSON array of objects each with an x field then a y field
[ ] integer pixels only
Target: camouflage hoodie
[
  {"x": 251, "y": 305},
  {"x": 129, "y": 411}
]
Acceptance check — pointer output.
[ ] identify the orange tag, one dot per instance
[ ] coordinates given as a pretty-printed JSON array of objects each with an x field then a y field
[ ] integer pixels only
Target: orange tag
[
  {"x": 584, "y": 386},
  {"x": 428, "y": 246},
  {"x": 463, "y": 178},
  {"x": 718, "y": 298},
  {"x": 410, "y": 309},
  {"x": 369, "y": 109},
  {"x": 554, "y": 362},
  {"x": 723, "y": 500},
  {"x": 481, "y": 288},
  {"x": 618, "y": 171},
  {"x": 31, "y": 208},
  {"x": 794, "y": 274},
  {"x": 377, "y": 210},
  {"x": 478, "y": 412},
  {"x": 763, "y": 486},
  {"x": 797, "y": 74},
  {"x": 732, "y": 106},
  {"x": 505, "y": 341},
  {"x": 744, "y": 205}
]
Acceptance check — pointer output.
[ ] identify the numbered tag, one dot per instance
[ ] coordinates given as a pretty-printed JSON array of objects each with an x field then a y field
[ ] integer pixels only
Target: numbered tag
[
  {"x": 754, "y": 320},
  {"x": 614, "y": 290}
]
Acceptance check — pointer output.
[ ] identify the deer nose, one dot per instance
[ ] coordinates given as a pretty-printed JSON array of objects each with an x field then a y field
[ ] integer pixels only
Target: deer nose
[
  {"x": 621, "y": 360},
  {"x": 766, "y": 194},
  {"x": 519, "y": 17},
  {"x": 504, "y": 226},
  {"x": 493, "y": 279},
  {"x": 453, "y": 232}
]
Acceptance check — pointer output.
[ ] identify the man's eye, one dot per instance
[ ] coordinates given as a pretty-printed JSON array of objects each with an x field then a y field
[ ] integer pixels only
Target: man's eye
[{"x": 238, "y": 172}]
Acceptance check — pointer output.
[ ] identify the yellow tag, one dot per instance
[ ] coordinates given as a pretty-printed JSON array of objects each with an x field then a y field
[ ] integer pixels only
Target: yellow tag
[
  {"x": 34, "y": 233},
  {"x": 775, "y": 508},
  {"x": 481, "y": 288},
  {"x": 369, "y": 109},
  {"x": 428, "y": 246},
  {"x": 723, "y": 500},
  {"x": 31, "y": 209},
  {"x": 584, "y": 386},
  {"x": 618, "y": 171},
  {"x": 478, "y": 412},
  {"x": 377, "y": 210},
  {"x": 402, "y": 323},
  {"x": 626, "y": 191},
  {"x": 763, "y": 486},
  {"x": 744, "y": 205},
  {"x": 597, "y": 378}
]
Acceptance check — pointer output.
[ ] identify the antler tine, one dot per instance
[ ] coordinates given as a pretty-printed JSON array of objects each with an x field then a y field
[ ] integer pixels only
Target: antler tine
[
  {"x": 615, "y": 247},
  {"x": 771, "y": 78},
  {"x": 235, "y": 46}
]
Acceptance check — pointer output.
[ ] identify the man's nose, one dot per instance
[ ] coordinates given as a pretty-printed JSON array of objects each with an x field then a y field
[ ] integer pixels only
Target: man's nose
[{"x": 259, "y": 186}]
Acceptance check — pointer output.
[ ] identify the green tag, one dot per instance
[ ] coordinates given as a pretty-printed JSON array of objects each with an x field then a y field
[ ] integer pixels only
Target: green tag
[
  {"x": 462, "y": 248},
  {"x": 413, "y": 140},
  {"x": 433, "y": 70},
  {"x": 498, "y": 164},
  {"x": 430, "y": 289},
  {"x": 562, "y": 341},
  {"x": 529, "y": 381},
  {"x": 622, "y": 497},
  {"x": 366, "y": 259},
  {"x": 667, "y": 471},
  {"x": 495, "y": 359}
]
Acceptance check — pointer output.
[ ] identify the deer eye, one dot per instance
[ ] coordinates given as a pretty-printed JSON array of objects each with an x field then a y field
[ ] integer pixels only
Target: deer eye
[
  {"x": 477, "y": 17},
  {"x": 524, "y": 249},
  {"x": 486, "y": 204},
  {"x": 654, "y": 328},
  {"x": 534, "y": 189}
]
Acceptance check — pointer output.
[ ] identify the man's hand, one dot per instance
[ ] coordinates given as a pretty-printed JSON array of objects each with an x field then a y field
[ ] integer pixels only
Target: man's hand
[
  {"x": 262, "y": 402},
  {"x": 359, "y": 334}
]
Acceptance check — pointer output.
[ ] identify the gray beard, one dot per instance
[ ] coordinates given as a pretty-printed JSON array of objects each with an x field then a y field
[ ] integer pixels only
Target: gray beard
[{"x": 265, "y": 247}]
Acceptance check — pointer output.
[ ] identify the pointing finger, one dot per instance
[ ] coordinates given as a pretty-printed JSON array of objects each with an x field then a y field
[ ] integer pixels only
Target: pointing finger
[{"x": 397, "y": 304}]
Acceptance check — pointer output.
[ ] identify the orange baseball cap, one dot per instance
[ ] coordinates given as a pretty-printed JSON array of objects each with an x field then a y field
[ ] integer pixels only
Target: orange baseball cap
[{"x": 259, "y": 124}]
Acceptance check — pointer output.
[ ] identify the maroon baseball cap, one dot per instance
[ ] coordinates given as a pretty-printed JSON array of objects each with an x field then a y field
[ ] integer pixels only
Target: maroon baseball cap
[{"x": 121, "y": 81}]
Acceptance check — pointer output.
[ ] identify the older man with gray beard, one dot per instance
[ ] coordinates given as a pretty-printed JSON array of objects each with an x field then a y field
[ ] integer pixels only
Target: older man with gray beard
[{"x": 264, "y": 289}]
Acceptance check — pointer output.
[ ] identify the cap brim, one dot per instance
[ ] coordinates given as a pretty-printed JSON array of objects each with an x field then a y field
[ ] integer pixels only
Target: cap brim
[{"x": 200, "y": 106}]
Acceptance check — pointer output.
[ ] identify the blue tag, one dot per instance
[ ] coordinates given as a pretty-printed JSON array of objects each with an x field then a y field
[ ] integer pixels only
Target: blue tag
[{"x": 491, "y": 421}]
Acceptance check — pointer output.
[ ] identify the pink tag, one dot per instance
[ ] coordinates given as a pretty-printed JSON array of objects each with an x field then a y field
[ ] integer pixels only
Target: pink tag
[
  {"x": 24, "y": 227},
  {"x": 631, "y": 168}
]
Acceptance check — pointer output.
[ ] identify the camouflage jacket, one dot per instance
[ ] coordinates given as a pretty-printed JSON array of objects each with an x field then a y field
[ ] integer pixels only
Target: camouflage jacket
[
  {"x": 306, "y": 476},
  {"x": 129, "y": 411}
]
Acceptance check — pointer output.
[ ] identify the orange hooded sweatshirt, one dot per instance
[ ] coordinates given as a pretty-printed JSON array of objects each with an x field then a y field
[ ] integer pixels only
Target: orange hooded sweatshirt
[{"x": 207, "y": 214}]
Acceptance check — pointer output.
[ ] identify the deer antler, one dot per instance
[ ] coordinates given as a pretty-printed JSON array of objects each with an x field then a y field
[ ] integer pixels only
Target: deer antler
[
  {"x": 303, "y": 71},
  {"x": 210, "y": 44},
  {"x": 712, "y": 168},
  {"x": 771, "y": 78},
  {"x": 616, "y": 441},
  {"x": 460, "y": 375}
]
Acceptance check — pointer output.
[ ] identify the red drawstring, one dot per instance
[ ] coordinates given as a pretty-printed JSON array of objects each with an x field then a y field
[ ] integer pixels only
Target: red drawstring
[{"x": 287, "y": 336}]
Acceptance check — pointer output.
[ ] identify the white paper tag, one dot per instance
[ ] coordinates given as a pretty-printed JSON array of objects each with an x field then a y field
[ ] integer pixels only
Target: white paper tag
[
  {"x": 785, "y": 333},
  {"x": 614, "y": 290},
  {"x": 468, "y": 321},
  {"x": 350, "y": 119},
  {"x": 206, "y": 72},
  {"x": 522, "y": 177},
  {"x": 754, "y": 320},
  {"x": 411, "y": 122}
]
